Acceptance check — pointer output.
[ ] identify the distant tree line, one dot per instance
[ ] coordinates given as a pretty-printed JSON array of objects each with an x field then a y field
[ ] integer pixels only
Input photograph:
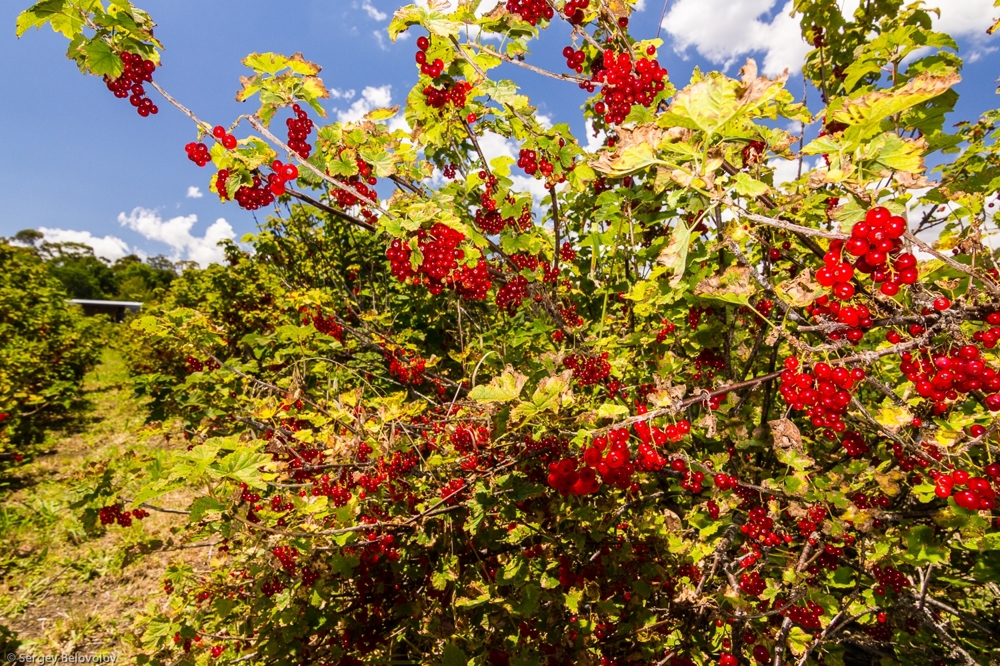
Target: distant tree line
[{"x": 85, "y": 275}]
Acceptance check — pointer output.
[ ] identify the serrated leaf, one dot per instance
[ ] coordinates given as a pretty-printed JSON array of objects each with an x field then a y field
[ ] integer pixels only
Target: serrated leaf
[
  {"x": 382, "y": 114},
  {"x": 267, "y": 63},
  {"x": 38, "y": 15},
  {"x": 674, "y": 254},
  {"x": 922, "y": 547},
  {"x": 866, "y": 113},
  {"x": 733, "y": 286},
  {"x": 610, "y": 410},
  {"x": 504, "y": 388},
  {"x": 242, "y": 465},
  {"x": 798, "y": 641},
  {"x": 749, "y": 187},
  {"x": 101, "y": 60}
]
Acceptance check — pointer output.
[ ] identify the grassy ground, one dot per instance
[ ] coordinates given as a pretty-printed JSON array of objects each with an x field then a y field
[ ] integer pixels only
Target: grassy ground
[{"x": 64, "y": 589}]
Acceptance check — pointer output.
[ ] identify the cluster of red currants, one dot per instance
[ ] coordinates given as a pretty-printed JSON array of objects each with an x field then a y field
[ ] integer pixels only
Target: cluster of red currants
[
  {"x": 299, "y": 129},
  {"x": 857, "y": 318},
  {"x": 129, "y": 84},
  {"x": 567, "y": 253},
  {"x": 943, "y": 376},
  {"x": 574, "y": 59},
  {"x": 532, "y": 11},
  {"x": 615, "y": 467},
  {"x": 249, "y": 198},
  {"x": 854, "y": 444},
  {"x": 185, "y": 642},
  {"x": 198, "y": 153},
  {"x": 665, "y": 332},
  {"x": 282, "y": 173},
  {"x": 759, "y": 529},
  {"x": 440, "y": 265},
  {"x": 588, "y": 370},
  {"x": 287, "y": 557},
  {"x": 574, "y": 10},
  {"x": 195, "y": 365},
  {"x": 807, "y": 615},
  {"x": 978, "y": 494},
  {"x": 492, "y": 222},
  {"x": 324, "y": 324},
  {"x": 432, "y": 69},
  {"x": 825, "y": 393},
  {"x": 889, "y": 577},
  {"x": 511, "y": 294},
  {"x": 407, "y": 370},
  {"x": 451, "y": 491},
  {"x": 874, "y": 241},
  {"x": 528, "y": 160},
  {"x": 456, "y": 93},
  {"x": 566, "y": 478},
  {"x": 751, "y": 584},
  {"x": 626, "y": 83},
  {"x": 227, "y": 140},
  {"x": 111, "y": 514}
]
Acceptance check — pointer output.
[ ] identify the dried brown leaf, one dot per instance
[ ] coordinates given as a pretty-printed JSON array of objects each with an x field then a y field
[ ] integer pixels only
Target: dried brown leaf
[
  {"x": 801, "y": 291},
  {"x": 786, "y": 435},
  {"x": 755, "y": 87}
]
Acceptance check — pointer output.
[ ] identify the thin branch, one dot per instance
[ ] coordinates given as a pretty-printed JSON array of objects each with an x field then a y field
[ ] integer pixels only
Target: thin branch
[
  {"x": 329, "y": 209},
  {"x": 531, "y": 68}
]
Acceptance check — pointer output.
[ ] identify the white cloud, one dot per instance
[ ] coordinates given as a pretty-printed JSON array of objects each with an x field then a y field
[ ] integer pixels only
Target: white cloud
[
  {"x": 194, "y": 192},
  {"x": 446, "y": 6},
  {"x": 595, "y": 140},
  {"x": 372, "y": 97},
  {"x": 735, "y": 29},
  {"x": 785, "y": 171},
  {"x": 968, "y": 18},
  {"x": 337, "y": 93},
  {"x": 380, "y": 39},
  {"x": 109, "y": 247},
  {"x": 639, "y": 5},
  {"x": 977, "y": 54},
  {"x": 176, "y": 233},
  {"x": 373, "y": 12}
]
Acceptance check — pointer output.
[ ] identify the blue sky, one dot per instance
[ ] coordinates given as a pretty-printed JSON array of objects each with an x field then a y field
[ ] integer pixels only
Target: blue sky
[{"x": 82, "y": 165}]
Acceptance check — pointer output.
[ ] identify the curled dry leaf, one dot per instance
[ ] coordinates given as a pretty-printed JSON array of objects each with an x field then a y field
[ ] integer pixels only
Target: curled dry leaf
[
  {"x": 733, "y": 286},
  {"x": 786, "y": 434},
  {"x": 801, "y": 291},
  {"x": 672, "y": 520},
  {"x": 756, "y": 87},
  {"x": 910, "y": 181}
]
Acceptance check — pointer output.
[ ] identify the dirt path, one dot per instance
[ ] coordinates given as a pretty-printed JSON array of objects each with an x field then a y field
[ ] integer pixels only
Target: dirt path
[{"x": 63, "y": 589}]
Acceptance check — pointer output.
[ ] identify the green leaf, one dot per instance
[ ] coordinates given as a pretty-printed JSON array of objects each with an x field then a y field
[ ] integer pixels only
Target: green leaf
[
  {"x": 504, "y": 388},
  {"x": 674, "y": 255},
  {"x": 749, "y": 187},
  {"x": 203, "y": 505},
  {"x": 610, "y": 410},
  {"x": 267, "y": 63},
  {"x": 866, "y": 113},
  {"x": 923, "y": 548},
  {"x": 38, "y": 15},
  {"x": 798, "y": 640},
  {"x": 101, "y": 60},
  {"x": 242, "y": 465},
  {"x": 453, "y": 656}
]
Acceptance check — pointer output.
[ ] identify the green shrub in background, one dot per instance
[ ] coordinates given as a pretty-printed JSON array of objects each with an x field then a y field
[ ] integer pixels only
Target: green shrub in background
[{"x": 46, "y": 346}]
